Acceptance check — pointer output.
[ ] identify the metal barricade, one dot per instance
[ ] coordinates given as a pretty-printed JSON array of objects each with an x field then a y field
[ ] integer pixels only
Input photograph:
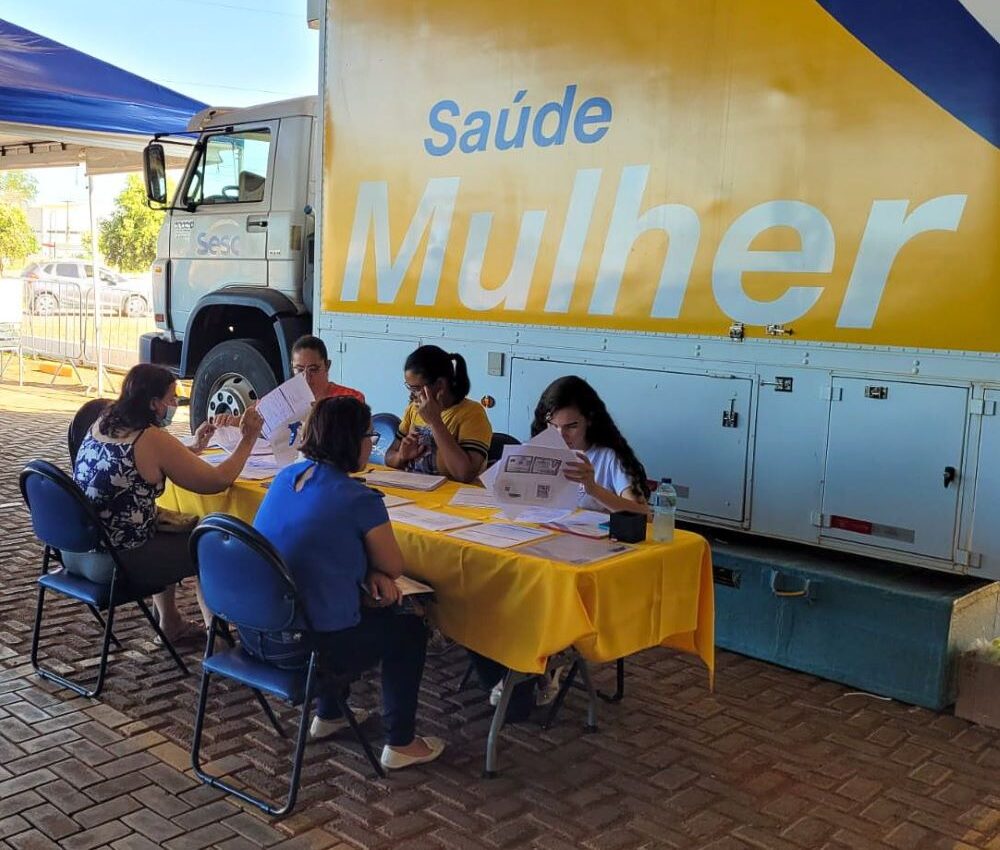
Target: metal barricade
[
  {"x": 118, "y": 333},
  {"x": 11, "y": 318},
  {"x": 52, "y": 324}
]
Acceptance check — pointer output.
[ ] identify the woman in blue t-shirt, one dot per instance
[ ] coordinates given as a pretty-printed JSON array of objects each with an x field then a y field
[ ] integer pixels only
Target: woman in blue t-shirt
[{"x": 334, "y": 536}]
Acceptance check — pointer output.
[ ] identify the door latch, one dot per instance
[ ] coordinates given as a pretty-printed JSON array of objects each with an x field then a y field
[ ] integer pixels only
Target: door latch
[
  {"x": 730, "y": 418},
  {"x": 950, "y": 474}
]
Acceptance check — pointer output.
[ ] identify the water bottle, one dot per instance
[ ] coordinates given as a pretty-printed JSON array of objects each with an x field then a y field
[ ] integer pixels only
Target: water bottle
[{"x": 664, "y": 504}]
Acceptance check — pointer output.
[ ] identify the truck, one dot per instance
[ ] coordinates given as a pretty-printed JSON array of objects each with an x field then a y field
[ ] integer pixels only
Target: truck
[{"x": 766, "y": 231}]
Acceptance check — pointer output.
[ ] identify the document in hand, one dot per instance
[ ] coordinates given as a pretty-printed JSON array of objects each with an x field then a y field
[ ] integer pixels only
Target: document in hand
[
  {"x": 532, "y": 475},
  {"x": 228, "y": 437},
  {"x": 289, "y": 402}
]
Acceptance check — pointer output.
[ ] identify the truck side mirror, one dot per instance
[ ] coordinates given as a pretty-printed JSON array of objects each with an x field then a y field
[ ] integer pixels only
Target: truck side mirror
[{"x": 154, "y": 169}]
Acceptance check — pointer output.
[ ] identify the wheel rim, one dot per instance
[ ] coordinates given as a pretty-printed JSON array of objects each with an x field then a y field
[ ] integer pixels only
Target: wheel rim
[
  {"x": 45, "y": 304},
  {"x": 231, "y": 393},
  {"x": 135, "y": 307}
]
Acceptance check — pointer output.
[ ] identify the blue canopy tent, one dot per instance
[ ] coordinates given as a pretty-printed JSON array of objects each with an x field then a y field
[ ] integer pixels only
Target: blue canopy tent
[{"x": 61, "y": 107}]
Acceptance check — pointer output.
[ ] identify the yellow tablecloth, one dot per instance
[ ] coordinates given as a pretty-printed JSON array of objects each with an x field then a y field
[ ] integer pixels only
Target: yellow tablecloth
[{"x": 520, "y": 609}]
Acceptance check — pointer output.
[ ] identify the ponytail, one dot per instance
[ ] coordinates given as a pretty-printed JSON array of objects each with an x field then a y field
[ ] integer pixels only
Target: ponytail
[{"x": 431, "y": 363}]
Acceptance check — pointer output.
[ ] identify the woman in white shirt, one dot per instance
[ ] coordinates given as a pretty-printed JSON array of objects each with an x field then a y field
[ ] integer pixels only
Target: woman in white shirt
[{"x": 611, "y": 477}]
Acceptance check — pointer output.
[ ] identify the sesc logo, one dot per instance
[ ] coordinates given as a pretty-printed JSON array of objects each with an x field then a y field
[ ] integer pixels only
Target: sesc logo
[{"x": 218, "y": 246}]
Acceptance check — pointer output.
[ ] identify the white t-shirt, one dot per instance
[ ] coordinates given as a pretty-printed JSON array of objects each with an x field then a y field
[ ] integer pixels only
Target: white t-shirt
[{"x": 608, "y": 473}]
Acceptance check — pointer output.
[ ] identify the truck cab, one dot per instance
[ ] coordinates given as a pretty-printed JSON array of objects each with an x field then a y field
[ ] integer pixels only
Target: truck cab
[{"x": 232, "y": 279}]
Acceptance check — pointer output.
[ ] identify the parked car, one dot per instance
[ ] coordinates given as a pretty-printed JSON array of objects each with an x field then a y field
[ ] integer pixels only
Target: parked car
[{"x": 58, "y": 287}]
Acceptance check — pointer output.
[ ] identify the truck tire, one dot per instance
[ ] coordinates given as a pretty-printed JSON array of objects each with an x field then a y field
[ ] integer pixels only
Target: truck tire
[{"x": 231, "y": 376}]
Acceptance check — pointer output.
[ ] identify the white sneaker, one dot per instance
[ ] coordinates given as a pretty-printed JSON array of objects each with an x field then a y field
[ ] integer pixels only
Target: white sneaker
[
  {"x": 395, "y": 760},
  {"x": 548, "y": 688},
  {"x": 496, "y": 693},
  {"x": 320, "y": 728}
]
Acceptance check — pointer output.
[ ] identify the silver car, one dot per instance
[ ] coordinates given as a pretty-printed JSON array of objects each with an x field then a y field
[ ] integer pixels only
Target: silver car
[{"x": 59, "y": 286}]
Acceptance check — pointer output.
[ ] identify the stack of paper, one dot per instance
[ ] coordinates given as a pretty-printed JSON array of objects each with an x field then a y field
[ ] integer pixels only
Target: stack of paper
[
  {"x": 427, "y": 520},
  {"x": 583, "y": 523},
  {"x": 473, "y": 497},
  {"x": 411, "y": 587},
  {"x": 404, "y": 480},
  {"x": 574, "y": 550},
  {"x": 499, "y": 535}
]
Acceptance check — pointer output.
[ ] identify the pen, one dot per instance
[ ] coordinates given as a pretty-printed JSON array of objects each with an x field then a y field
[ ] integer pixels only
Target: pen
[{"x": 368, "y": 593}]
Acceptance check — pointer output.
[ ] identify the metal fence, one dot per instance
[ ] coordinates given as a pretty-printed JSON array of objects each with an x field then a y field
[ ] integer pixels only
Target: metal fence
[{"x": 58, "y": 323}]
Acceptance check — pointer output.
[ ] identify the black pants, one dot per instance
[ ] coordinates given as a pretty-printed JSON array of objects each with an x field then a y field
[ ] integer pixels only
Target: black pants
[
  {"x": 489, "y": 672},
  {"x": 398, "y": 641},
  {"x": 161, "y": 561}
]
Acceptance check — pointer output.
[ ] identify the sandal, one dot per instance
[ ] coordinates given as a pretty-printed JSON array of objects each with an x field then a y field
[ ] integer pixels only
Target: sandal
[{"x": 188, "y": 631}]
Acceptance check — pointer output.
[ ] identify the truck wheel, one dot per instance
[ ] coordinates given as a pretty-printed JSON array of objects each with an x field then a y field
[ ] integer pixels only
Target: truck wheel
[{"x": 231, "y": 376}]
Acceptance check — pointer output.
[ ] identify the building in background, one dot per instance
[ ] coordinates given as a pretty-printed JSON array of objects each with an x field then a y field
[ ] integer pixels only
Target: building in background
[{"x": 59, "y": 228}]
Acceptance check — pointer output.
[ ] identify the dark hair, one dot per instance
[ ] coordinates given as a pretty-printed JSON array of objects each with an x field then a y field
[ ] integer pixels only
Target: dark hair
[
  {"x": 311, "y": 343},
  {"x": 431, "y": 363},
  {"x": 334, "y": 431},
  {"x": 132, "y": 411},
  {"x": 571, "y": 391}
]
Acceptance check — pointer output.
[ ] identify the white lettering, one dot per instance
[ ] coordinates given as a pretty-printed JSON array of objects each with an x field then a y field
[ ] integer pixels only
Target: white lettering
[
  {"x": 734, "y": 257},
  {"x": 434, "y": 211},
  {"x": 513, "y": 292},
  {"x": 679, "y": 222},
  {"x": 888, "y": 229},
  {"x": 574, "y": 237}
]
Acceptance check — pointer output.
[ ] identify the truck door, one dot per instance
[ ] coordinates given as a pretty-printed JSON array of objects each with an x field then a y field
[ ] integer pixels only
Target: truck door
[
  {"x": 984, "y": 537},
  {"x": 218, "y": 230},
  {"x": 691, "y": 428},
  {"x": 892, "y": 464}
]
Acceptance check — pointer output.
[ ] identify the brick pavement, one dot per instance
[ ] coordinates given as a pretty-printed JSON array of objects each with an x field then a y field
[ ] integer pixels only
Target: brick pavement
[{"x": 771, "y": 759}]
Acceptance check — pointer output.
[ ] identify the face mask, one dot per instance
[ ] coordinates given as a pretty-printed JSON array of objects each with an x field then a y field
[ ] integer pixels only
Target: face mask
[{"x": 168, "y": 417}]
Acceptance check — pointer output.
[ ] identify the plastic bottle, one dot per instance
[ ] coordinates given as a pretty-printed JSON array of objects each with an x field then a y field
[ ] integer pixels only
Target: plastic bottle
[{"x": 664, "y": 504}]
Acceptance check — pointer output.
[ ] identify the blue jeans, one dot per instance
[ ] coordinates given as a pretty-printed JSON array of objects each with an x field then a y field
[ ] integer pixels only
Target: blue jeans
[{"x": 398, "y": 641}]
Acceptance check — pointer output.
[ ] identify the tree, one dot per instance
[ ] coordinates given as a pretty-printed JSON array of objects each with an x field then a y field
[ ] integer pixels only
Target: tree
[
  {"x": 17, "y": 240},
  {"x": 17, "y": 188},
  {"x": 127, "y": 239}
]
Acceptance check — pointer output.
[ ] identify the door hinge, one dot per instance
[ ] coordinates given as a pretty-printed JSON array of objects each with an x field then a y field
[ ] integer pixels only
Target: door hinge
[
  {"x": 982, "y": 407},
  {"x": 965, "y": 558},
  {"x": 816, "y": 518}
]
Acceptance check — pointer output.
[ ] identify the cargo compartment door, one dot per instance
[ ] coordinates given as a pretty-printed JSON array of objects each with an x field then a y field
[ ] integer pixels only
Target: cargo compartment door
[
  {"x": 688, "y": 427},
  {"x": 984, "y": 539},
  {"x": 892, "y": 465}
]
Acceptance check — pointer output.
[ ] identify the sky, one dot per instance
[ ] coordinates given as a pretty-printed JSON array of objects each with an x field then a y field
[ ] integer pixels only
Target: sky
[{"x": 222, "y": 52}]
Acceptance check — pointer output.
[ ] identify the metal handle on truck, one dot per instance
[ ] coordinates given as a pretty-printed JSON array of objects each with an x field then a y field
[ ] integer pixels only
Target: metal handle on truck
[
  {"x": 256, "y": 222},
  {"x": 789, "y": 594}
]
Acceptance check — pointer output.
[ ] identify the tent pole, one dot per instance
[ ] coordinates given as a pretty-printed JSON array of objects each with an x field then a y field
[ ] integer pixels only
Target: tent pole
[{"x": 96, "y": 280}]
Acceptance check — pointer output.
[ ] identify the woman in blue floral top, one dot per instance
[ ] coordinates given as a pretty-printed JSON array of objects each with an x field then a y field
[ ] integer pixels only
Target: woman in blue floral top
[{"x": 122, "y": 467}]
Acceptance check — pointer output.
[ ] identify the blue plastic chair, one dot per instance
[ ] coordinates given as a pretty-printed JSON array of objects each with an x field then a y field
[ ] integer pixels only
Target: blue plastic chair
[
  {"x": 246, "y": 584},
  {"x": 385, "y": 425},
  {"x": 65, "y": 521}
]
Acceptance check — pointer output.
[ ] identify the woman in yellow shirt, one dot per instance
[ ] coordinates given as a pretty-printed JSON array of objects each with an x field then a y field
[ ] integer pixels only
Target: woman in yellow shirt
[{"x": 442, "y": 432}]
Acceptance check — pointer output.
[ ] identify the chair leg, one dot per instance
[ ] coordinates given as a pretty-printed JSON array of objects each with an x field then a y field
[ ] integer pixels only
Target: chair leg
[
  {"x": 619, "y": 693},
  {"x": 51, "y": 675},
  {"x": 163, "y": 638},
  {"x": 270, "y": 714},
  {"x": 550, "y": 718},
  {"x": 352, "y": 721},
  {"x": 100, "y": 619},
  {"x": 499, "y": 716},
  {"x": 591, "y": 696}
]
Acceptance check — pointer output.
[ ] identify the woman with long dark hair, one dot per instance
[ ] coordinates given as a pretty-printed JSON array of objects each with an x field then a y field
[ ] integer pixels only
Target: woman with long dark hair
[
  {"x": 122, "y": 467},
  {"x": 442, "y": 432},
  {"x": 335, "y": 537},
  {"x": 611, "y": 477}
]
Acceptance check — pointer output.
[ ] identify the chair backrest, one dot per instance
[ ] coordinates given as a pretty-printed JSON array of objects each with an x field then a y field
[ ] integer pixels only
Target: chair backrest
[
  {"x": 61, "y": 515},
  {"x": 497, "y": 443},
  {"x": 243, "y": 578},
  {"x": 385, "y": 425},
  {"x": 82, "y": 422}
]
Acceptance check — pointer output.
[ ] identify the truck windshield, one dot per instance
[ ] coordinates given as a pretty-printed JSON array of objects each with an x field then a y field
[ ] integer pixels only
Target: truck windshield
[{"x": 232, "y": 169}]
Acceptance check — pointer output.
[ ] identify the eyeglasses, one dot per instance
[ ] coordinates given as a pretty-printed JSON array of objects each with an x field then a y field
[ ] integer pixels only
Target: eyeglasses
[
  {"x": 414, "y": 389},
  {"x": 374, "y": 437},
  {"x": 312, "y": 369}
]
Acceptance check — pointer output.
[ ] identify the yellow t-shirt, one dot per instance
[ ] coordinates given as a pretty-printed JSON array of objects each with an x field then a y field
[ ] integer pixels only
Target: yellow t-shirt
[{"x": 465, "y": 421}]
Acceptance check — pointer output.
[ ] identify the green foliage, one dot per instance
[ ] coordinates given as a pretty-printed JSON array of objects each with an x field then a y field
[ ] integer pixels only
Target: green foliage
[
  {"x": 127, "y": 239},
  {"x": 17, "y": 188},
  {"x": 17, "y": 240}
]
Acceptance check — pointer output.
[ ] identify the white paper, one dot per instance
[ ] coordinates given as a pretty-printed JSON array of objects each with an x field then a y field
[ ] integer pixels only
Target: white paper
[
  {"x": 577, "y": 551},
  {"x": 549, "y": 438},
  {"x": 538, "y": 515},
  {"x": 391, "y": 501},
  {"x": 410, "y": 586},
  {"x": 228, "y": 437},
  {"x": 586, "y": 518},
  {"x": 427, "y": 520},
  {"x": 289, "y": 402},
  {"x": 499, "y": 535},
  {"x": 261, "y": 466},
  {"x": 404, "y": 480},
  {"x": 188, "y": 440},
  {"x": 473, "y": 497},
  {"x": 533, "y": 475}
]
